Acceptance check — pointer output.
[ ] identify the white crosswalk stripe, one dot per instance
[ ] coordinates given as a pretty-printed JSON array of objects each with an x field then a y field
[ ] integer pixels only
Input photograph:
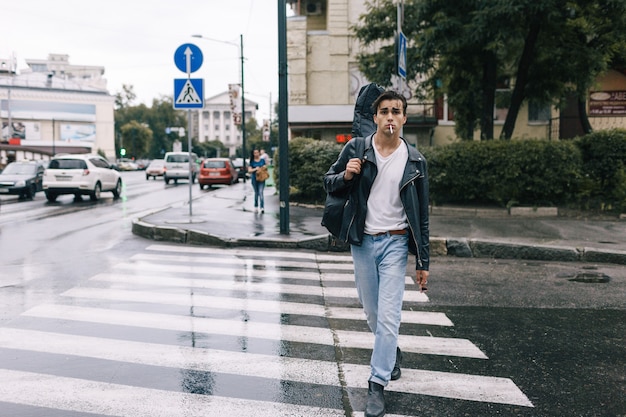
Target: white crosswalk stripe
[
  {"x": 109, "y": 399},
  {"x": 219, "y": 297}
]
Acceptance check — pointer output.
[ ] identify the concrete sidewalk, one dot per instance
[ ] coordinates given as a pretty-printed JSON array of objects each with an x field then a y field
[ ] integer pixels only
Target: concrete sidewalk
[{"x": 225, "y": 217}]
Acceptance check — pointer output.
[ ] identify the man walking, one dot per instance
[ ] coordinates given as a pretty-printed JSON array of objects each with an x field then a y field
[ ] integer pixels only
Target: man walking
[{"x": 388, "y": 208}]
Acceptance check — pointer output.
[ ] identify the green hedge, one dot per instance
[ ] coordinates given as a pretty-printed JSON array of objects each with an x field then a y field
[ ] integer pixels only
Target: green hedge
[
  {"x": 309, "y": 159},
  {"x": 604, "y": 170},
  {"x": 587, "y": 172},
  {"x": 504, "y": 173}
]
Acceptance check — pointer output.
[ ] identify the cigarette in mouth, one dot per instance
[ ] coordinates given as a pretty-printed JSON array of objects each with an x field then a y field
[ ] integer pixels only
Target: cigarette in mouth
[{"x": 391, "y": 129}]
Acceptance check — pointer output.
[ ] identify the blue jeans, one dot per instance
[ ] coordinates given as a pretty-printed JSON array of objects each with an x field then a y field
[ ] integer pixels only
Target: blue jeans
[
  {"x": 379, "y": 270},
  {"x": 259, "y": 187}
]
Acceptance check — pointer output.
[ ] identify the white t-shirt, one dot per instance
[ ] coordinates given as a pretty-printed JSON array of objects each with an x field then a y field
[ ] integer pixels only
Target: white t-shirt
[{"x": 384, "y": 207}]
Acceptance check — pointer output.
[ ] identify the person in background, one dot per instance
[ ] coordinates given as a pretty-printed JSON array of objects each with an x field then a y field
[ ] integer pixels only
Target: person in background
[
  {"x": 265, "y": 157},
  {"x": 257, "y": 162},
  {"x": 389, "y": 218}
]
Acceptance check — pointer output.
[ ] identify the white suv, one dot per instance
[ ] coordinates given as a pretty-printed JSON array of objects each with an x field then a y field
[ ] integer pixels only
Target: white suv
[
  {"x": 177, "y": 167},
  {"x": 81, "y": 175}
]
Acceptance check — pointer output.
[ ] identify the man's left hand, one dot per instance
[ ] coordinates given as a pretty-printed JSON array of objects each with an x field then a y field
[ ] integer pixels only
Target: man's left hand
[{"x": 422, "y": 279}]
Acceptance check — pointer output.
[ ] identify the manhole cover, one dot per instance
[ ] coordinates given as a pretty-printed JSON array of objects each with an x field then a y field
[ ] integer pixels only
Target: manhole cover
[{"x": 590, "y": 277}]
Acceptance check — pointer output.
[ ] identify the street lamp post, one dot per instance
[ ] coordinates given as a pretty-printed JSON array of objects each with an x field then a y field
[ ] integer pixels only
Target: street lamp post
[{"x": 243, "y": 95}]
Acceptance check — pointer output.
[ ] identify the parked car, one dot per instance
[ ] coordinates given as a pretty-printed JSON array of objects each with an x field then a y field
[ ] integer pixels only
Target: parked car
[
  {"x": 81, "y": 174},
  {"x": 217, "y": 171},
  {"x": 156, "y": 168},
  {"x": 177, "y": 167},
  {"x": 22, "y": 178},
  {"x": 241, "y": 172},
  {"x": 142, "y": 164},
  {"x": 127, "y": 165}
]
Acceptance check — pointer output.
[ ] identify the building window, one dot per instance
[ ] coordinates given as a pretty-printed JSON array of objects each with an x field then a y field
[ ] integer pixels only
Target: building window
[
  {"x": 538, "y": 112},
  {"x": 502, "y": 104},
  {"x": 227, "y": 127},
  {"x": 217, "y": 127},
  {"x": 205, "y": 115}
]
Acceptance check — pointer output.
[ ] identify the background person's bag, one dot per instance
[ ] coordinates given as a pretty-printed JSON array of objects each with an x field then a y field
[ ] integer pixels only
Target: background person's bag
[{"x": 262, "y": 174}]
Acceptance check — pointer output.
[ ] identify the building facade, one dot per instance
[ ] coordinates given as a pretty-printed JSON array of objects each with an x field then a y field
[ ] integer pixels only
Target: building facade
[
  {"x": 215, "y": 122},
  {"x": 52, "y": 107}
]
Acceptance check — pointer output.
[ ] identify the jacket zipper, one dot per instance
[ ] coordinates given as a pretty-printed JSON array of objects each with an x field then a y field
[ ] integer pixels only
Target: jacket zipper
[{"x": 417, "y": 245}]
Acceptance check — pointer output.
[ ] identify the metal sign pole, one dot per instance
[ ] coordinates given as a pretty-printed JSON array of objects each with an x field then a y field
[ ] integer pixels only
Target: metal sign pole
[{"x": 190, "y": 161}]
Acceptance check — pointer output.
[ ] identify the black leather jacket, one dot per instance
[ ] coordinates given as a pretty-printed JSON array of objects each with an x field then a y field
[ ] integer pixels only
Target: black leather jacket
[{"x": 413, "y": 193}]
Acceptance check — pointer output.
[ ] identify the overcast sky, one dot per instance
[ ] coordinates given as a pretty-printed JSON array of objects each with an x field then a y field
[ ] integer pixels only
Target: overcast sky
[{"x": 135, "y": 41}]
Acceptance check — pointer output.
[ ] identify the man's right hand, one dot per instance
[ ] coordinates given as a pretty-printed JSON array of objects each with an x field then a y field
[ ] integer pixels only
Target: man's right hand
[{"x": 353, "y": 167}]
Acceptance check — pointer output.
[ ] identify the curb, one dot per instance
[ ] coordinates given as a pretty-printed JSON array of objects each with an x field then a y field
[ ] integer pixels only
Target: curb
[{"x": 457, "y": 247}]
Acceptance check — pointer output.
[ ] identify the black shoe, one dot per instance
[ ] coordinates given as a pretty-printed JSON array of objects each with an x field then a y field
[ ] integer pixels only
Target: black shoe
[
  {"x": 375, "y": 406},
  {"x": 396, "y": 373}
]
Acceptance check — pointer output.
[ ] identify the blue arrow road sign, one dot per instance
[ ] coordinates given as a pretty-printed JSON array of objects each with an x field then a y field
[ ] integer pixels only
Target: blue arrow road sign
[
  {"x": 188, "y": 93},
  {"x": 188, "y": 58},
  {"x": 402, "y": 55}
]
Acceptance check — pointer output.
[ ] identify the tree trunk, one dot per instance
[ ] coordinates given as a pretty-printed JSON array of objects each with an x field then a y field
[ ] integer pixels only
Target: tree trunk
[
  {"x": 584, "y": 117},
  {"x": 489, "y": 93},
  {"x": 517, "y": 98}
]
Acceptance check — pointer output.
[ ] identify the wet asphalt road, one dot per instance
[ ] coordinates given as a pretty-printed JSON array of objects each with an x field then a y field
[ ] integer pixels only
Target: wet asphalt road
[{"x": 95, "y": 323}]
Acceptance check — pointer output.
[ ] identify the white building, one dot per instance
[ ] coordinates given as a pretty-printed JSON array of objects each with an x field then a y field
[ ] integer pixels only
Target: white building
[
  {"x": 215, "y": 122},
  {"x": 55, "y": 107}
]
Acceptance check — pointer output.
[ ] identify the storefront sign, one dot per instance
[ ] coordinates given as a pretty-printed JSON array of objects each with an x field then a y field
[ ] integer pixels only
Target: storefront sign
[{"x": 607, "y": 103}]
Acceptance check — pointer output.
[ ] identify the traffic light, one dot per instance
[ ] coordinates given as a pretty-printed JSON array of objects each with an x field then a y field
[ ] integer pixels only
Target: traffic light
[{"x": 123, "y": 152}]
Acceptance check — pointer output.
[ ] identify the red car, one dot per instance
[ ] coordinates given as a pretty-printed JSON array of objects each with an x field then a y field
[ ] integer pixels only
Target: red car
[{"x": 217, "y": 171}]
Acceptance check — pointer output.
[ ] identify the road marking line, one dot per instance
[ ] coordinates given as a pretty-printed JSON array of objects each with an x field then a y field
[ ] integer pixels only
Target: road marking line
[
  {"x": 409, "y": 317},
  {"x": 233, "y": 303},
  {"x": 254, "y": 329},
  {"x": 315, "y": 335},
  {"x": 196, "y": 300},
  {"x": 268, "y": 263},
  {"x": 248, "y": 286},
  {"x": 425, "y": 345},
  {"x": 220, "y": 271},
  {"x": 266, "y": 287},
  {"x": 445, "y": 384},
  {"x": 172, "y": 356},
  {"x": 79, "y": 395},
  {"x": 346, "y": 292},
  {"x": 432, "y": 383},
  {"x": 233, "y": 252}
]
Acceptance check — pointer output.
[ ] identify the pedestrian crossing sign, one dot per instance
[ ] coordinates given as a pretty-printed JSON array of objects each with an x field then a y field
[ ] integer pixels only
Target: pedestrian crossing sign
[{"x": 188, "y": 93}]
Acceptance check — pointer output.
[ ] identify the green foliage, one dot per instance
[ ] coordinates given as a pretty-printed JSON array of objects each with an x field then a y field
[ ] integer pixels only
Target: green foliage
[
  {"x": 604, "y": 159},
  {"x": 586, "y": 173},
  {"x": 157, "y": 118},
  {"x": 136, "y": 137},
  {"x": 529, "y": 173},
  {"x": 210, "y": 149},
  {"x": 309, "y": 159},
  {"x": 548, "y": 49}
]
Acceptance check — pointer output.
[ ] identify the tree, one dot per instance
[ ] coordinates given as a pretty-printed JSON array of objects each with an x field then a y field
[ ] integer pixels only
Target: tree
[
  {"x": 254, "y": 137},
  {"x": 567, "y": 46},
  {"x": 210, "y": 149},
  {"x": 547, "y": 49},
  {"x": 158, "y": 118},
  {"x": 136, "y": 137},
  {"x": 125, "y": 97}
]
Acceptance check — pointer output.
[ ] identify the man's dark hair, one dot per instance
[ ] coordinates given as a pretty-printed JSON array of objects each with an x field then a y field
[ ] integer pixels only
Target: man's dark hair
[{"x": 389, "y": 95}]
